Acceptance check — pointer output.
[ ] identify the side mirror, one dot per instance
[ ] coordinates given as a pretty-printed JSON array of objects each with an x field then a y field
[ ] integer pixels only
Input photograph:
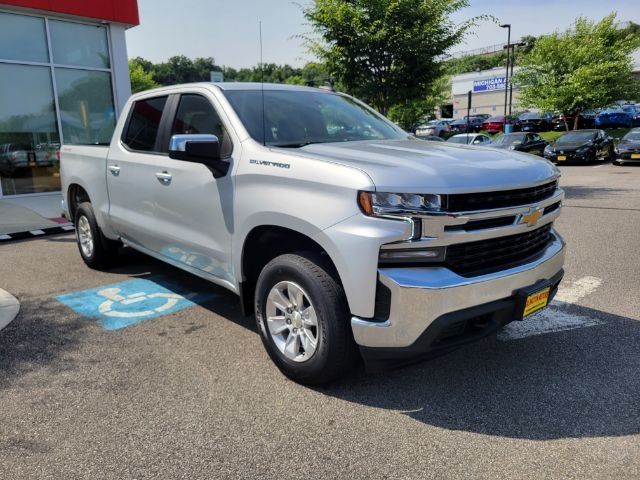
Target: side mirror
[{"x": 199, "y": 148}]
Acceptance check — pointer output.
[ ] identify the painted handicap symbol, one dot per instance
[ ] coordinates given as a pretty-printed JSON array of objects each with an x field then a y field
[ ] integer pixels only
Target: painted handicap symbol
[
  {"x": 127, "y": 303},
  {"x": 113, "y": 296}
]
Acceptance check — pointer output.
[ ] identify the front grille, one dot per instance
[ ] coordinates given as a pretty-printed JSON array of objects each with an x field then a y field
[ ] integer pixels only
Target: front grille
[
  {"x": 508, "y": 198},
  {"x": 474, "y": 258},
  {"x": 483, "y": 224}
]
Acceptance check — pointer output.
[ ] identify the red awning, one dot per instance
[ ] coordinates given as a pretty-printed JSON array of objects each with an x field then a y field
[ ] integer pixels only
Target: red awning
[{"x": 120, "y": 11}]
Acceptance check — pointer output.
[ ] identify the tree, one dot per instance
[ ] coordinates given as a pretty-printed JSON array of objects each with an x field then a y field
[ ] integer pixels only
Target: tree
[
  {"x": 412, "y": 113},
  {"x": 140, "y": 78},
  {"x": 386, "y": 52},
  {"x": 474, "y": 63},
  {"x": 181, "y": 69},
  {"x": 587, "y": 66}
]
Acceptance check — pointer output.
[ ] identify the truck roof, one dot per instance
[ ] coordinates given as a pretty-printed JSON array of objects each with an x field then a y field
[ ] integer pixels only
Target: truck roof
[{"x": 236, "y": 86}]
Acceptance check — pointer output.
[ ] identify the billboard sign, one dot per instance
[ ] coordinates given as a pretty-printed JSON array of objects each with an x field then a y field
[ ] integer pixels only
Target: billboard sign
[{"x": 489, "y": 84}]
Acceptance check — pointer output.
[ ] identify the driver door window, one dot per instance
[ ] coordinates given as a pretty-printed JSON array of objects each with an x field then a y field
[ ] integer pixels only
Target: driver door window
[{"x": 196, "y": 115}]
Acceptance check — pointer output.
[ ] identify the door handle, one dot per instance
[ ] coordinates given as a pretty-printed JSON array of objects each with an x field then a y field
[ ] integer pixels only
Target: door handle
[
  {"x": 164, "y": 177},
  {"x": 115, "y": 170}
]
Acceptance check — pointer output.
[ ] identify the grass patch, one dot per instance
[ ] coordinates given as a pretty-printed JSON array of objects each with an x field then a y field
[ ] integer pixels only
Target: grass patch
[{"x": 616, "y": 133}]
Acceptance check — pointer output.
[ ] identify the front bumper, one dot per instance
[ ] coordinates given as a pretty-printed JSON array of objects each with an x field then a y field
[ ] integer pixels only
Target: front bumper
[
  {"x": 421, "y": 297},
  {"x": 626, "y": 156},
  {"x": 572, "y": 156}
]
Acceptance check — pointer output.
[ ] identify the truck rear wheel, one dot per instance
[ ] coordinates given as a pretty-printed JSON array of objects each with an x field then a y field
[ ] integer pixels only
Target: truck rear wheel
[
  {"x": 96, "y": 250},
  {"x": 303, "y": 318}
]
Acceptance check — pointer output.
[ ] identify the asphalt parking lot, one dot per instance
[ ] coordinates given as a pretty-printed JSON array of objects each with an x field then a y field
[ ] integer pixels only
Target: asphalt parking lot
[{"x": 192, "y": 394}]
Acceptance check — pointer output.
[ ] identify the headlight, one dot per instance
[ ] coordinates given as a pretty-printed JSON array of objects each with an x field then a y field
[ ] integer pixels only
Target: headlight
[
  {"x": 548, "y": 149},
  {"x": 512, "y": 147},
  {"x": 378, "y": 203}
]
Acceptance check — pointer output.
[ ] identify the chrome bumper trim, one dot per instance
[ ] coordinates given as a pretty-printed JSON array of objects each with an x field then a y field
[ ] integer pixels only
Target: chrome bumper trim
[
  {"x": 435, "y": 233},
  {"x": 421, "y": 295}
]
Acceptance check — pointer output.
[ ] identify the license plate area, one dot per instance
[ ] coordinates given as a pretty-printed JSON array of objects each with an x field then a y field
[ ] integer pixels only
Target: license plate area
[
  {"x": 532, "y": 299},
  {"x": 635, "y": 155},
  {"x": 562, "y": 158}
]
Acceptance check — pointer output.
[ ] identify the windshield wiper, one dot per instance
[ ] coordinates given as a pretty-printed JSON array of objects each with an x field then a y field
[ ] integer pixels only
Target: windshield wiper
[{"x": 292, "y": 145}]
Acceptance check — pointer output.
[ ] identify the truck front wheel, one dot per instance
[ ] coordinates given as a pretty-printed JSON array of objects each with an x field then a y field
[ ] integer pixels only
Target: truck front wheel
[
  {"x": 96, "y": 250},
  {"x": 303, "y": 318}
]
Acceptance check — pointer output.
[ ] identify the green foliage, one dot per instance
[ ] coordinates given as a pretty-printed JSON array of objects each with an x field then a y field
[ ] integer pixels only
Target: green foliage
[
  {"x": 141, "y": 79},
  {"x": 386, "y": 52},
  {"x": 412, "y": 113},
  {"x": 588, "y": 66},
  {"x": 474, "y": 63},
  {"x": 180, "y": 69}
]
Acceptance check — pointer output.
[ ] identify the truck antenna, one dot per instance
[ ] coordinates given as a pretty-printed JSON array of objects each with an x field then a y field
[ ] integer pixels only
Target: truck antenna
[{"x": 264, "y": 126}]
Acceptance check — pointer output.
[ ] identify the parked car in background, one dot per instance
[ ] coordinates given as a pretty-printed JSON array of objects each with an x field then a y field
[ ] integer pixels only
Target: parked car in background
[
  {"x": 431, "y": 138},
  {"x": 521, "y": 142},
  {"x": 634, "y": 110},
  {"x": 628, "y": 150},
  {"x": 533, "y": 122},
  {"x": 496, "y": 123},
  {"x": 461, "y": 125},
  {"x": 615, "y": 117},
  {"x": 586, "y": 119},
  {"x": 47, "y": 154},
  {"x": 14, "y": 156},
  {"x": 470, "y": 139},
  {"x": 439, "y": 128},
  {"x": 581, "y": 146}
]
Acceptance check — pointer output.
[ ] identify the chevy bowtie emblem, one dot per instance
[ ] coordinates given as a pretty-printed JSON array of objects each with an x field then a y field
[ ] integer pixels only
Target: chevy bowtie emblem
[{"x": 532, "y": 217}]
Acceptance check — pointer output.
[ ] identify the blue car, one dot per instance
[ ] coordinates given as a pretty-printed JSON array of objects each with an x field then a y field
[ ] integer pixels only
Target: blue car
[{"x": 617, "y": 117}]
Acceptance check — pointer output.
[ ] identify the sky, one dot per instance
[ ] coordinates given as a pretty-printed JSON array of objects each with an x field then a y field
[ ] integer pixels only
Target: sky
[{"x": 228, "y": 30}]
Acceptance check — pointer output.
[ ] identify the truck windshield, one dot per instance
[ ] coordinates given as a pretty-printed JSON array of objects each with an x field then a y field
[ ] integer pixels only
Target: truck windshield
[{"x": 297, "y": 118}]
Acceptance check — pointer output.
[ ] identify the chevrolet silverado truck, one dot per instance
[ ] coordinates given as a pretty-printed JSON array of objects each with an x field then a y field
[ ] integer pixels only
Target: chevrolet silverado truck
[{"x": 345, "y": 235}]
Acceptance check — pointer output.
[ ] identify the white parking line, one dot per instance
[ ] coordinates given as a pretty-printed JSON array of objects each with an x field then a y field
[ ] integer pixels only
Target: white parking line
[
  {"x": 556, "y": 318},
  {"x": 598, "y": 166}
]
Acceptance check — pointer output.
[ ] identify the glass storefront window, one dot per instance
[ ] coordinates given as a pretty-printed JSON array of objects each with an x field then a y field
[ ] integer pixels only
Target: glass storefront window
[
  {"x": 86, "y": 106},
  {"x": 79, "y": 45},
  {"x": 55, "y": 87},
  {"x": 29, "y": 140},
  {"x": 23, "y": 38}
]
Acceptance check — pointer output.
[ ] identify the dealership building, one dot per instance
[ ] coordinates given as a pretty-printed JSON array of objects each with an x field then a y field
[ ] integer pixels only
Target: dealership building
[
  {"x": 487, "y": 87},
  {"x": 64, "y": 78}
]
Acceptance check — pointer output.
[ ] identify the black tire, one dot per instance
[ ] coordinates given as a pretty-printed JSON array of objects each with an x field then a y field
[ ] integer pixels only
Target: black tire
[
  {"x": 104, "y": 251},
  {"x": 336, "y": 351}
]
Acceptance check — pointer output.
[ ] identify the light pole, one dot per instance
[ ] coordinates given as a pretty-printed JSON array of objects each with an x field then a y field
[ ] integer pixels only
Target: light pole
[
  {"x": 506, "y": 79},
  {"x": 513, "y": 60}
]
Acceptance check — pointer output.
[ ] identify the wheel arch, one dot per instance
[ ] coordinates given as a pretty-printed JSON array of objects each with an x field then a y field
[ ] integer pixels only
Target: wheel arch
[
  {"x": 262, "y": 244},
  {"x": 76, "y": 194}
]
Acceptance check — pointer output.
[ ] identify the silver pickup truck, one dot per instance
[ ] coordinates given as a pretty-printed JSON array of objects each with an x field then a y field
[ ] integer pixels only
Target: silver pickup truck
[{"x": 342, "y": 233}]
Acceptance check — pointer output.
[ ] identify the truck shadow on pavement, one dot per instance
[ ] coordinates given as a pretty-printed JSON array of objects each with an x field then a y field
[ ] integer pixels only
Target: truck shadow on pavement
[{"x": 572, "y": 384}]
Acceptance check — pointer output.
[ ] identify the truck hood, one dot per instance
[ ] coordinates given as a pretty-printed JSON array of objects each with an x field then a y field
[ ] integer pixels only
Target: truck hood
[{"x": 416, "y": 166}]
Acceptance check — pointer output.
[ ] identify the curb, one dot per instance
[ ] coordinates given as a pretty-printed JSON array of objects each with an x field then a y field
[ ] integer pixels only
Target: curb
[
  {"x": 9, "y": 308},
  {"x": 36, "y": 233}
]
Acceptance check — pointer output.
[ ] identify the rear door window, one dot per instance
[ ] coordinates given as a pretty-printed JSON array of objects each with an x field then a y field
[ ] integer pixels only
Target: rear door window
[{"x": 144, "y": 124}]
